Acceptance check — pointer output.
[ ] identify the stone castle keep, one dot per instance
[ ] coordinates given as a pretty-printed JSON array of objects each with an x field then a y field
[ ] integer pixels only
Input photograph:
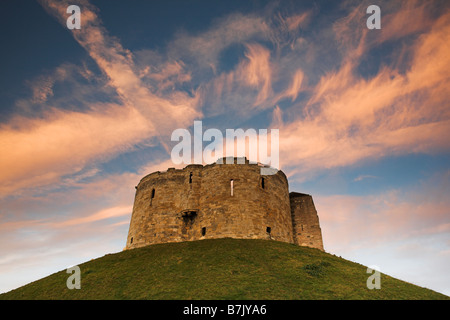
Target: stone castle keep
[{"x": 219, "y": 201}]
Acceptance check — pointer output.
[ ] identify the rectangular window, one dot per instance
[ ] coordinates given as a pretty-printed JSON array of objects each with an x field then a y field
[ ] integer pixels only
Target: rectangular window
[
  {"x": 231, "y": 185},
  {"x": 203, "y": 231},
  {"x": 152, "y": 196}
]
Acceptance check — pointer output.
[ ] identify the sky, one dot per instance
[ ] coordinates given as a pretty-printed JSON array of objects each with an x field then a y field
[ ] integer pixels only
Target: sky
[{"x": 363, "y": 118}]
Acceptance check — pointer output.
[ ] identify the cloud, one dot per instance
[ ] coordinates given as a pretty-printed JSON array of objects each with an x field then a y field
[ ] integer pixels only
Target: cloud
[
  {"x": 256, "y": 72},
  {"x": 400, "y": 23},
  {"x": 203, "y": 50},
  {"x": 98, "y": 216},
  {"x": 39, "y": 234},
  {"x": 165, "y": 113},
  {"x": 404, "y": 231},
  {"x": 51, "y": 225},
  {"x": 364, "y": 176},
  {"x": 253, "y": 41},
  {"x": 344, "y": 119},
  {"x": 350, "y": 223},
  {"x": 41, "y": 150},
  {"x": 42, "y": 90},
  {"x": 39, "y": 248},
  {"x": 169, "y": 75},
  {"x": 296, "y": 21},
  {"x": 329, "y": 113},
  {"x": 86, "y": 217},
  {"x": 349, "y": 118},
  {"x": 246, "y": 89}
]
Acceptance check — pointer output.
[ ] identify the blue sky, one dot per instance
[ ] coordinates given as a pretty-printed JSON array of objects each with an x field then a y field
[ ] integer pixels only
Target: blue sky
[{"x": 363, "y": 117}]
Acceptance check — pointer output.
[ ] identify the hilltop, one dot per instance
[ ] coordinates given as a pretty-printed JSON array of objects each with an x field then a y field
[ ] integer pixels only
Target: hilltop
[{"x": 221, "y": 269}]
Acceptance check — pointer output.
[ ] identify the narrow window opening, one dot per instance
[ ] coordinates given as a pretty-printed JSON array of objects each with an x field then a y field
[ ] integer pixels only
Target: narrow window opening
[
  {"x": 190, "y": 177},
  {"x": 152, "y": 196},
  {"x": 231, "y": 185},
  {"x": 203, "y": 231},
  {"x": 262, "y": 183},
  {"x": 131, "y": 240}
]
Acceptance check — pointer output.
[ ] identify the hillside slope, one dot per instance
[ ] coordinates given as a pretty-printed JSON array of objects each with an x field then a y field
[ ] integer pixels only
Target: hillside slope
[{"x": 221, "y": 269}]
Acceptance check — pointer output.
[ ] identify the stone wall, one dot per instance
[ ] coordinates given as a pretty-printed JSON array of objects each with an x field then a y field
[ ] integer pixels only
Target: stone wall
[
  {"x": 305, "y": 221},
  {"x": 214, "y": 201}
]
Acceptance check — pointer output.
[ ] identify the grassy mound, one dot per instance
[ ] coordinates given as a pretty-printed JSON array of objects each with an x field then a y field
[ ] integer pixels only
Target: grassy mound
[{"x": 221, "y": 269}]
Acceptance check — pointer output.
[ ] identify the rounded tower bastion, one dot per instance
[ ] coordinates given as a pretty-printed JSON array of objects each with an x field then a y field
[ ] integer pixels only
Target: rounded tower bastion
[{"x": 213, "y": 201}]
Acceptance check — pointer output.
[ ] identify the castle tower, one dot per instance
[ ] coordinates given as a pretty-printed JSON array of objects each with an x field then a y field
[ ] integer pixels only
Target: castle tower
[
  {"x": 305, "y": 221},
  {"x": 212, "y": 201}
]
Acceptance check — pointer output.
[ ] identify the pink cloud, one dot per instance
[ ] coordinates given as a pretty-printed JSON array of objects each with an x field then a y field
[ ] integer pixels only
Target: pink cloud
[
  {"x": 97, "y": 216},
  {"x": 354, "y": 222},
  {"x": 349, "y": 118},
  {"x": 206, "y": 47},
  {"x": 296, "y": 21},
  {"x": 296, "y": 85},
  {"x": 43, "y": 224},
  {"x": 40, "y": 151},
  {"x": 256, "y": 72},
  {"x": 403, "y": 22}
]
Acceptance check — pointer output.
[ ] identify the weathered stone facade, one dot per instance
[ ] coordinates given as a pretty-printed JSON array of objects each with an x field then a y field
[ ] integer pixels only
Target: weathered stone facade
[
  {"x": 305, "y": 221},
  {"x": 219, "y": 201}
]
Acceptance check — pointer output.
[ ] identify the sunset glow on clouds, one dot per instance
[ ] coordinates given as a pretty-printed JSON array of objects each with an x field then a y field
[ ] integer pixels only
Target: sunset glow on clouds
[{"x": 363, "y": 117}]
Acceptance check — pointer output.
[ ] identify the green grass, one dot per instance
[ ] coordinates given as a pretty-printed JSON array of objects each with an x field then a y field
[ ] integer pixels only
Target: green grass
[{"x": 221, "y": 269}]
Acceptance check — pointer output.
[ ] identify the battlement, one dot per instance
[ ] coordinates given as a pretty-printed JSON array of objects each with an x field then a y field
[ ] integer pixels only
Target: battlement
[{"x": 229, "y": 198}]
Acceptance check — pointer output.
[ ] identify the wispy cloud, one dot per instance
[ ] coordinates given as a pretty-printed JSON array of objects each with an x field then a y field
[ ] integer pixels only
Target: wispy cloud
[
  {"x": 98, "y": 216},
  {"x": 41, "y": 151},
  {"x": 364, "y": 176},
  {"x": 330, "y": 114},
  {"x": 203, "y": 50},
  {"x": 60, "y": 142},
  {"x": 353, "y": 222},
  {"x": 349, "y": 118},
  {"x": 404, "y": 231},
  {"x": 344, "y": 118}
]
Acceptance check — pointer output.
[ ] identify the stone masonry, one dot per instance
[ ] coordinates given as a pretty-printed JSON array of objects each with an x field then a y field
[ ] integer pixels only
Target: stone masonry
[
  {"x": 305, "y": 221},
  {"x": 219, "y": 201}
]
